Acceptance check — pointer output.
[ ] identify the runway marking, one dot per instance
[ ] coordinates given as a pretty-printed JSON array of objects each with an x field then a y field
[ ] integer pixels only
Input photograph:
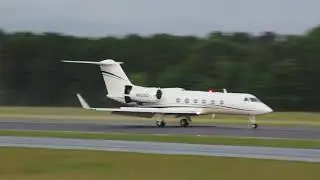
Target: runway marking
[
  {"x": 306, "y": 155},
  {"x": 173, "y": 135}
]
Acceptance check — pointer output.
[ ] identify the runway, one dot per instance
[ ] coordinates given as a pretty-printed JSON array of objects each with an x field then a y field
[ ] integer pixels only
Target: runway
[
  {"x": 148, "y": 127},
  {"x": 306, "y": 155}
]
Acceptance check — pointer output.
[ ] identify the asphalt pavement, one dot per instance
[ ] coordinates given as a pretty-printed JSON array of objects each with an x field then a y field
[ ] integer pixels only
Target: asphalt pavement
[
  {"x": 148, "y": 127},
  {"x": 305, "y": 155}
]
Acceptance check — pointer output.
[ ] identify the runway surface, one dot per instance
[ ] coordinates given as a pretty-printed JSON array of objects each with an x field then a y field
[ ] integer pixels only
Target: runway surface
[
  {"x": 307, "y": 155},
  {"x": 148, "y": 127}
]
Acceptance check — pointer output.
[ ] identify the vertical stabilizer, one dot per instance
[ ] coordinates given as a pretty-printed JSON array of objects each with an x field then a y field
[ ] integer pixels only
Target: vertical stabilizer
[
  {"x": 113, "y": 75},
  {"x": 114, "y": 78}
]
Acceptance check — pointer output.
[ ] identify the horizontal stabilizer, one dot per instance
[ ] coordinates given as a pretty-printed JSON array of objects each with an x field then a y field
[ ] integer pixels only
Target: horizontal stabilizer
[{"x": 104, "y": 62}]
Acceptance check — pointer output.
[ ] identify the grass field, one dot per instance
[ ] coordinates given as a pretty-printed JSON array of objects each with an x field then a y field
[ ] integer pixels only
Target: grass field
[
  {"x": 36, "y": 164},
  {"x": 40, "y": 113},
  {"x": 221, "y": 140}
]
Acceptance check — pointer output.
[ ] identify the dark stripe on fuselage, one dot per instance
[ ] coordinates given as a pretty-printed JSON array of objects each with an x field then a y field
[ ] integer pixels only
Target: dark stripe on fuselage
[
  {"x": 234, "y": 108},
  {"x": 108, "y": 73},
  {"x": 203, "y": 106}
]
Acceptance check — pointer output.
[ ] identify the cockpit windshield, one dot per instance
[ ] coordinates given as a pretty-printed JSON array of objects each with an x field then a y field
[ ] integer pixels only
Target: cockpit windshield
[
  {"x": 254, "y": 100},
  {"x": 251, "y": 99}
]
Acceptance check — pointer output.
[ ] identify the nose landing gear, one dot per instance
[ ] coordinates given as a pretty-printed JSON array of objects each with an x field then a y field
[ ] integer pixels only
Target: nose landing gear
[{"x": 252, "y": 122}]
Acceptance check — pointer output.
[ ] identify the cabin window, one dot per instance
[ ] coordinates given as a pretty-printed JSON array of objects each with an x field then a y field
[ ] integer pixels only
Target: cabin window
[
  {"x": 204, "y": 101},
  {"x": 178, "y": 100},
  {"x": 246, "y": 99},
  {"x": 221, "y": 102},
  {"x": 186, "y": 100},
  {"x": 212, "y": 102},
  {"x": 195, "y": 101}
]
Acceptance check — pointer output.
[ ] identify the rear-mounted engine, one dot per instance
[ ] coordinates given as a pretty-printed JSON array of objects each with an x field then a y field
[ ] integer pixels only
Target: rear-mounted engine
[{"x": 142, "y": 94}]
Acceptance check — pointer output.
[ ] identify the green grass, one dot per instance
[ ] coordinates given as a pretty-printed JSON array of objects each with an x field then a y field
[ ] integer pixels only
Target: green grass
[
  {"x": 54, "y": 112},
  {"x": 63, "y": 113},
  {"x": 38, "y": 164},
  {"x": 221, "y": 140}
]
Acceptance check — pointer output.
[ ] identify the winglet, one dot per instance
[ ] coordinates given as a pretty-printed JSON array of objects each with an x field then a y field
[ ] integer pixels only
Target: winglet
[{"x": 83, "y": 103}]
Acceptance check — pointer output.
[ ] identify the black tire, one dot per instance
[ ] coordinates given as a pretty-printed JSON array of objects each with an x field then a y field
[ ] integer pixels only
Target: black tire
[
  {"x": 160, "y": 123},
  {"x": 184, "y": 123},
  {"x": 254, "y": 126}
]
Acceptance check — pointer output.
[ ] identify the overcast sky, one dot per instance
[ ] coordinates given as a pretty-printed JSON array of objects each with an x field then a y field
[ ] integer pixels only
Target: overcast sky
[{"x": 197, "y": 17}]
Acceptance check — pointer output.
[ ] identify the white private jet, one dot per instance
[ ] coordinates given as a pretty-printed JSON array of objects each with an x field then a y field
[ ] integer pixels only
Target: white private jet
[{"x": 176, "y": 102}]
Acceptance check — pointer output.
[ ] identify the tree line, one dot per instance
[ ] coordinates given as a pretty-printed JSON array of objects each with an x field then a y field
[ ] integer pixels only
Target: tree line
[{"x": 282, "y": 70}]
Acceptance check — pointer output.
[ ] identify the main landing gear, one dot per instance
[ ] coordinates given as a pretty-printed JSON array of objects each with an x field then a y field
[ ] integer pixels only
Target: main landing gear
[
  {"x": 184, "y": 122},
  {"x": 160, "y": 123},
  {"x": 252, "y": 122}
]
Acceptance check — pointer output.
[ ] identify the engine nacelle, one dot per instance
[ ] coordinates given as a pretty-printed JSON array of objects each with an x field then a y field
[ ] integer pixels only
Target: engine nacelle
[{"x": 142, "y": 94}]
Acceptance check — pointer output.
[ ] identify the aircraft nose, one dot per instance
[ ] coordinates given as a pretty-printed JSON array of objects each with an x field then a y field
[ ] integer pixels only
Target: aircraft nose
[{"x": 267, "y": 109}]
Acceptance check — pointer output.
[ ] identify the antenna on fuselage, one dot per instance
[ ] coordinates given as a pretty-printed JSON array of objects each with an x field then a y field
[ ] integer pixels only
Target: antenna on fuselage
[{"x": 224, "y": 90}]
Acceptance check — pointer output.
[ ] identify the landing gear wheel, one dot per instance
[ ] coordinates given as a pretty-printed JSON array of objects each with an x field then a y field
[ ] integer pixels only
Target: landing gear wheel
[
  {"x": 184, "y": 123},
  {"x": 252, "y": 122},
  {"x": 254, "y": 126},
  {"x": 160, "y": 123}
]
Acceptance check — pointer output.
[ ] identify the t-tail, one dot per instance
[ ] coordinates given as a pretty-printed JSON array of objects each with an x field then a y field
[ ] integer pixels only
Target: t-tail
[{"x": 114, "y": 77}]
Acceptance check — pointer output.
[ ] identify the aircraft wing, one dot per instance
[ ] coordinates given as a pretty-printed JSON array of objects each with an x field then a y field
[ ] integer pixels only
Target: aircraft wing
[{"x": 146, "y": 111}]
